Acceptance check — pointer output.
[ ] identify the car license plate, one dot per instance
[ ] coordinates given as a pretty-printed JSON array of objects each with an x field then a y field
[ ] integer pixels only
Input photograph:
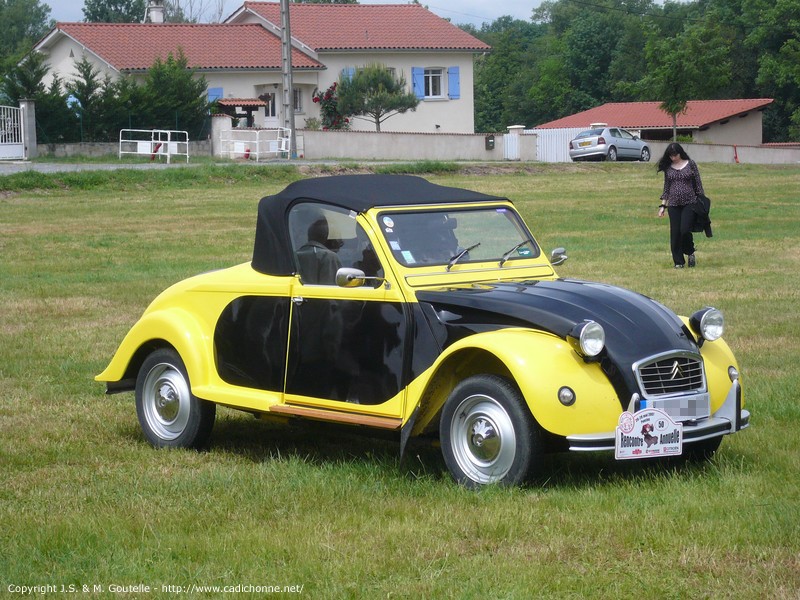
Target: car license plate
[
  {"x": 584, "y": 144},
  {"x": 649, "y": 433}
]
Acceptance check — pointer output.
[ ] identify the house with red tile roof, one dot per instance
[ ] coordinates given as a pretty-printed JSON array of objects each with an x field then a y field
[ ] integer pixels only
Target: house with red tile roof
[
  {"x": 707, "y": 121},
  {"x": 241, "y": 58}
]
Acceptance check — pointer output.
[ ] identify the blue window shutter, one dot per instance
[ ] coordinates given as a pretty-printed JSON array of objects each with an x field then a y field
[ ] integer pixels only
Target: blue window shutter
[
  {"x": 214, "y": 94},
  {"x": 418, "y": 81},
  {"x": 453, "y": 83}
]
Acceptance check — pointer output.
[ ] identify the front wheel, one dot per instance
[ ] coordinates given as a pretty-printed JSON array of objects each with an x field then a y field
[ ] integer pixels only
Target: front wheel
[
  {"x": 645, "y": 154},
  {"x": 170, "y": 415},
  {"x": 487, "y": 433}
]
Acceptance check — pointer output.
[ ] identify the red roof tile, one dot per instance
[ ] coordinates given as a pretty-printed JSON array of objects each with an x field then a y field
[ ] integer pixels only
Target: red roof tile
[
  {"x": 135, "y": 46},
  {"x": 369, "y": 27},
  {"x": 638, "y": 115},
  {"x": 241, "y": 102}
]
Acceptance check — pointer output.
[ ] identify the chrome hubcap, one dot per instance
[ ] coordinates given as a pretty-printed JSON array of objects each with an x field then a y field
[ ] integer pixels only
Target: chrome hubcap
[
  {"x": 166, "y": 401},
  {"x": 483, "y": 439}
]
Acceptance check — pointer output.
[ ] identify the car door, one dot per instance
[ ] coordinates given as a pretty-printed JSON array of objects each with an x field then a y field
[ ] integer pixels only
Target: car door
[
  {"x": 347, "y": 346},
  {"x": 628, "y": 146}
]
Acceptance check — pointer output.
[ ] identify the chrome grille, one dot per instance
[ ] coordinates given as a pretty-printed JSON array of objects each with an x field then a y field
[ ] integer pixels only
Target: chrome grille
[{"x": 671, "y": 374}]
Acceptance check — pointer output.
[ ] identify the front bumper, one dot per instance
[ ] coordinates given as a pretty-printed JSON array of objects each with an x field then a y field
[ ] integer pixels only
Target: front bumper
[{"x": 730, "y": 418}]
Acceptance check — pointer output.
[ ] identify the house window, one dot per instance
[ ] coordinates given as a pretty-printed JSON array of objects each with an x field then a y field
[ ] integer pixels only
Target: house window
[
  {"x": 214, "y": 94},
  {"x": 297, "y": 98},
  {"x": 428, "y": 83},
  {"x": 433, "y": 83}
]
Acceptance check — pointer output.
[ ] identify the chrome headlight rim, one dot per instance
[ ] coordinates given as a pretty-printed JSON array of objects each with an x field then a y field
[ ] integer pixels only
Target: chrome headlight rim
[
  {"x": 588, "y": 338},
  {"x": 708, "y": 323}
]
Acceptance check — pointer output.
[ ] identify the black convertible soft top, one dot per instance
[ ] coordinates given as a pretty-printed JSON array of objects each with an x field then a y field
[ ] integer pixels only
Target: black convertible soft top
[{"x": 272, "y": 253}]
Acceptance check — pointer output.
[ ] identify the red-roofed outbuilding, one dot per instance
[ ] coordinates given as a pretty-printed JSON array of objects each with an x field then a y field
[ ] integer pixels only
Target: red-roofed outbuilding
[{"x": 710, "y": 121}]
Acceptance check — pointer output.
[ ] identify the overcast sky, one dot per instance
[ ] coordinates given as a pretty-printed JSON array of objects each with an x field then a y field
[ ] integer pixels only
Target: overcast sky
[{"x": 458, "y": 11}]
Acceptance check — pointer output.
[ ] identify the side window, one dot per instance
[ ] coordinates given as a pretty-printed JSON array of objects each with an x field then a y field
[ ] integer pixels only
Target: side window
[
  {"x": 214, "y": 94},
  {"x": 326, "y": 238},
  {"x": 297, "y": 98},
  {"x": 433, "y": 83}
]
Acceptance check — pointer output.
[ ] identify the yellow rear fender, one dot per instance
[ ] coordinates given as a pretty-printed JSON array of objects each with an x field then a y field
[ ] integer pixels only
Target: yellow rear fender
[
  {"x": 172, "y": 327},
  {"x": 540, "y": 364}
]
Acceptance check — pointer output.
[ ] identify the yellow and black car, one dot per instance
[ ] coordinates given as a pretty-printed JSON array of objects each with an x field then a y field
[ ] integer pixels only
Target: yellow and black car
[{"x": 387, "y": 302}]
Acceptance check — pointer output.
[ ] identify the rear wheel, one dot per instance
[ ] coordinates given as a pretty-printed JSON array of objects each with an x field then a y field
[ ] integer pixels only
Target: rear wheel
[
  {"x": 488, "y": 435},
  {"x": 169, "y": 414},
  {"x": 612, "y": 154}
]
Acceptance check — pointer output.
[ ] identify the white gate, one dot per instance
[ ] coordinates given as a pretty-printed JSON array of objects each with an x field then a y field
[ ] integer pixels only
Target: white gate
[
  {"x": 511, "y": 146},
  {"x": 12, "y": 144},
  {"x": 552, "y": 145}
]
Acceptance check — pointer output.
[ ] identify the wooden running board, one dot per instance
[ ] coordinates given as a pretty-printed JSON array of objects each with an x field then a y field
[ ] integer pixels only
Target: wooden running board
[{"x": 337, "y": 417}]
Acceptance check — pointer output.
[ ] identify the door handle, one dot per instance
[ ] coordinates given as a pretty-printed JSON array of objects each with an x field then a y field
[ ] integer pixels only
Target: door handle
[{"x": 298, "y": 300}]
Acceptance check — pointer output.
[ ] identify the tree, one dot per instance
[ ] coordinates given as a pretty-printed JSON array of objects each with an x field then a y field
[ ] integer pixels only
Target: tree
[
  {"x": 113, "y": 11},
  {"x": 22, "y": 23},
  {"x": 374, "y": 92},
  {"x": 54, "y": 121},
  {"x": 175, "y": 98},
  {"x": 691, "y": 66}
]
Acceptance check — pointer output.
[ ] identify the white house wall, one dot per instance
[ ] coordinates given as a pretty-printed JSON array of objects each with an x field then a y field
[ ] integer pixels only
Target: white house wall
[
  {"x": 62, "y": 64},
  {"x": 452, "y": 116}
]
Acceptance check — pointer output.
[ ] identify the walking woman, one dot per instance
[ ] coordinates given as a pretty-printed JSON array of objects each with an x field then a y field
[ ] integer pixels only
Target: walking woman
[{"x": 682, "y": 185}]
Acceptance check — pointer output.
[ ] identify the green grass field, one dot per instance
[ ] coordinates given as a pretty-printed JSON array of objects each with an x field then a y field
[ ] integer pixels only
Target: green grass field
[{"x": 86, "y": 504}]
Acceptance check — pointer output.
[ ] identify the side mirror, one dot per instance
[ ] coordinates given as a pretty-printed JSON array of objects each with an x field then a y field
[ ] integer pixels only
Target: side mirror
[
  {"x": 352, "y": 278},
  {"x": 558, "y": 256}
]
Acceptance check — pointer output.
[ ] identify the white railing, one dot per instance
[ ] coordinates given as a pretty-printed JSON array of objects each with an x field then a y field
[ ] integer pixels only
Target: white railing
[
  {"x": 256, "y": 144},
  {"x": 155, "y": 143}
]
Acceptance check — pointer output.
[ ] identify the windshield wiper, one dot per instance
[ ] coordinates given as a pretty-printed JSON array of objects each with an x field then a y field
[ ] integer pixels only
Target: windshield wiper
[
  {"x": 453, "y": 260},
  {"x": 508, "y": 254}
]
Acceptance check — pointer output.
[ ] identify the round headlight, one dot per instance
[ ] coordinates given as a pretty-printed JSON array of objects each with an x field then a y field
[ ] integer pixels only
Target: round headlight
[
  {"x": 708, "y": 323},
  {"x": 590, "y": 338}
]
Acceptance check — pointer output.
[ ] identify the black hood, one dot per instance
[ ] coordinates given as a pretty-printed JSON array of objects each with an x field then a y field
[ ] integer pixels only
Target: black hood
[{"x": 636, "y": 326}]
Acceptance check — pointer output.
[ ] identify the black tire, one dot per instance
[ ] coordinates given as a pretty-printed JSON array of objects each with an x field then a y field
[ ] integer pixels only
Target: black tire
[
  {"x": 645, "y": 154},
  {"x": 612, "y": 154},
  {"x": 169, "y": 414},
  {"x": 488, "y": 434}
]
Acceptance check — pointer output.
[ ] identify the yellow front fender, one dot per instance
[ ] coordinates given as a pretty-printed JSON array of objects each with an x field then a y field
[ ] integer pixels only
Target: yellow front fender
[
  {"x": 174, "y": 327},
  {"x": 540, "y": 364}
]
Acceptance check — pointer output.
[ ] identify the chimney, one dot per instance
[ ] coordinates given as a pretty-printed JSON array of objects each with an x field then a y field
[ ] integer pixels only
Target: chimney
[{"x": 155, "y": 12}]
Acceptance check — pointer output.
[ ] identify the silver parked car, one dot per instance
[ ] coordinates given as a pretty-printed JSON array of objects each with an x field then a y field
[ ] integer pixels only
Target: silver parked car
[{"x": 608, "y": 143}]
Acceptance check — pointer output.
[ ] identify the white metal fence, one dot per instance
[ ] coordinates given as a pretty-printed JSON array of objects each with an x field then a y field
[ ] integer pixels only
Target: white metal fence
[
  {"x": 552, "y": 145},
  {"x": 12, "y": 134},
  {"x": 256, "y": 144},
  {"x": 155, "y": 143}
]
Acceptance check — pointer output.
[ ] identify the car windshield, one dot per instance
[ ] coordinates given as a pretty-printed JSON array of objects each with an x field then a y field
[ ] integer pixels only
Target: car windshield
[
  {"x": 590, "y": 133},
  {"x": 450, "y": 237}
]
